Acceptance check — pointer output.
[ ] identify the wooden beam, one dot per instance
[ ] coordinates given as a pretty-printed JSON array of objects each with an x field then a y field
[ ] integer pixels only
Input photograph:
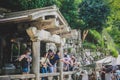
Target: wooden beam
[
  {"x": 36, "y": 59},
  {"x": 22, "y": 76},
  {"x": 61, "y": 63},
  {"x": 4, "y": 78},
  {"x": 62, "y": 30},
  {"x": 19, "y": 76},
  {"x": 66, "y": 35},
  {"x": 51, "y": 41},
  {"x": 72, "y": 33},
  {"x": 47, "y": 24},
  {"x": 35, "y": 14},
  {"x": 69, "y": 72},
  {"x": 44, "y": 24},
  {"x": 56, "y": 28},
  {"x": 49, "y": 74},
  {"x": 16, "y": 19}
]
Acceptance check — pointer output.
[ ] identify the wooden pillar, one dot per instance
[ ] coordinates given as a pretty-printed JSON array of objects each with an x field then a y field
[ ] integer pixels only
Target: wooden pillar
[
  {"x": 36, "y": 59},
  {"x": 61, "y": 63}
]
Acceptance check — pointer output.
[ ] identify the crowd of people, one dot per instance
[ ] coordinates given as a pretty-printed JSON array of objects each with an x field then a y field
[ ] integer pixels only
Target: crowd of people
[
  {"x": 107, "y": 72},
  {"x": 110, "y": 73},
  {"x": 49, "y": 63}
]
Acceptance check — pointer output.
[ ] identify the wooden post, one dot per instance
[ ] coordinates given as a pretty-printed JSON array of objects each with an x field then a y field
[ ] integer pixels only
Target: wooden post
[
  {"x": 61, "y": 63},
  {"x": 36, "y": 59}
]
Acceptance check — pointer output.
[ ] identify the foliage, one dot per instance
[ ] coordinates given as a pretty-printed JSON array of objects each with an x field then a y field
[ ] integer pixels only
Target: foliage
[
  {"x": 100, "y": 42},
  {"x": 110, "y": 43},
  {"x": 115, "y": 34},
  {"x": 108, "y": 39},
  {"x": 89, "y": 45},
  {"x": 96, "y": 36},
  {"x": 26, "y": 4},
  {"x": 114, "y": 52},
  {"x": 114, "y": 22},
  {"x": 69, "y": 9},
  {"x": 93, "y": 14}
]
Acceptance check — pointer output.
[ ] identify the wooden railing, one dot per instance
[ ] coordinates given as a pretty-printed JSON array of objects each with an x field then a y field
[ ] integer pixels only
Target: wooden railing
[
  {"x": 32, "y": 76},
  {"x": 69, "y": 73},
  {"x": 23, "y": 76},
  {"x": 49, "y": 74}
]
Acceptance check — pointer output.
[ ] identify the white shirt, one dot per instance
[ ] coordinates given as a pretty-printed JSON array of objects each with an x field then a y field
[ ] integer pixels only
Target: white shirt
[
  {"x": 85, "y": 75},
  {"x": 108, "y": 76}
]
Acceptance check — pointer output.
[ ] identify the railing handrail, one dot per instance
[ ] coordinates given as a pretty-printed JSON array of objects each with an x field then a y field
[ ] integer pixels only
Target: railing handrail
[
  {"x": 19, "y": 76},
  {"x": 49, "y": 74},
  {"x": 69, "y": 73},
  {"x": 23, "y": 76}
]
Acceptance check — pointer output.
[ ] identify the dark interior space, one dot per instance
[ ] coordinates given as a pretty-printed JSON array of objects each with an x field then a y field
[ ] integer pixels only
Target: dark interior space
[
  {"x": 43, "y": 48},
  {"x": 12, "y": 44}
]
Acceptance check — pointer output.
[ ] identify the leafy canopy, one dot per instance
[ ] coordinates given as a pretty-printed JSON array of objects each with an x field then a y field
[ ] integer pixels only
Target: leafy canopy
[
  {"x": 69, "y": 9},
  {"x": 17, "y": 5},
  {"x": 93, "y": 14}
]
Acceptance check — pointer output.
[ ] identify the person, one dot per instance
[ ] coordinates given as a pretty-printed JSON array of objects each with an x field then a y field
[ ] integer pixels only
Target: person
[
  {"x": 73, "y": 63},
  {"x": 44, "y": 62},
  {"x": 87, "y": 62},
  {"x": 25, "y": 60},
  {"x": 53, "y": 58},
  {"x": 66, "y": 54},
  {"x": 108, "y": 75},
  {"x": 66, "y": 63},
  {"x": 98, "y": 75},
  {"x": 117, "y": 73},
  {"x": 93, "y": 76},
  {"x": 102, "y": 72},
  {"x": 84, "y": 75}
]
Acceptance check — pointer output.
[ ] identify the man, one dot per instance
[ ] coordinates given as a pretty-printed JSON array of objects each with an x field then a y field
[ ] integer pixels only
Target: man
[
  {"x": 53, "y": 58},
  {"x": 44, "y": 64}
]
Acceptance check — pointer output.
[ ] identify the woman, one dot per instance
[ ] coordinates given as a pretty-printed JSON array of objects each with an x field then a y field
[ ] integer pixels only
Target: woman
[{"x": 25, "y": 60}]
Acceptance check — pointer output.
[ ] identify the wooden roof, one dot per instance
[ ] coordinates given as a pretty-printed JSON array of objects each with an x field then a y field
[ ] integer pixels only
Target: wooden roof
[{"x": 33, "y": 14}]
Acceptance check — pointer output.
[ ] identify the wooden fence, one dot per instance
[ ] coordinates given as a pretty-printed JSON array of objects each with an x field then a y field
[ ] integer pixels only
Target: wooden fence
[{"x": 32, "y": 76}]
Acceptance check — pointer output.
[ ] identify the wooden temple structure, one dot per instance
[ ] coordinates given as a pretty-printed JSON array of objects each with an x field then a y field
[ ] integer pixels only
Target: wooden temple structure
[{"x": 31, "y": 28}]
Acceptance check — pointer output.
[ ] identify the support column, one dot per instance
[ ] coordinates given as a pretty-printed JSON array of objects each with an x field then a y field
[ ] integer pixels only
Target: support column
[
  {"x": 61, "y": 63},
  {"x": 36, "y": 59}
]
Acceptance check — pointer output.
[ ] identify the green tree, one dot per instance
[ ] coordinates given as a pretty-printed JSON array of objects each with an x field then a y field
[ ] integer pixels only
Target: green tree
[
  {"x": 17, "y": 5},
  {"x": 114, "y": 22},
  {"x": 93, "y": 15},
  {"x": 115, "y": 34},
  {"x": 69, "y": 9}
]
